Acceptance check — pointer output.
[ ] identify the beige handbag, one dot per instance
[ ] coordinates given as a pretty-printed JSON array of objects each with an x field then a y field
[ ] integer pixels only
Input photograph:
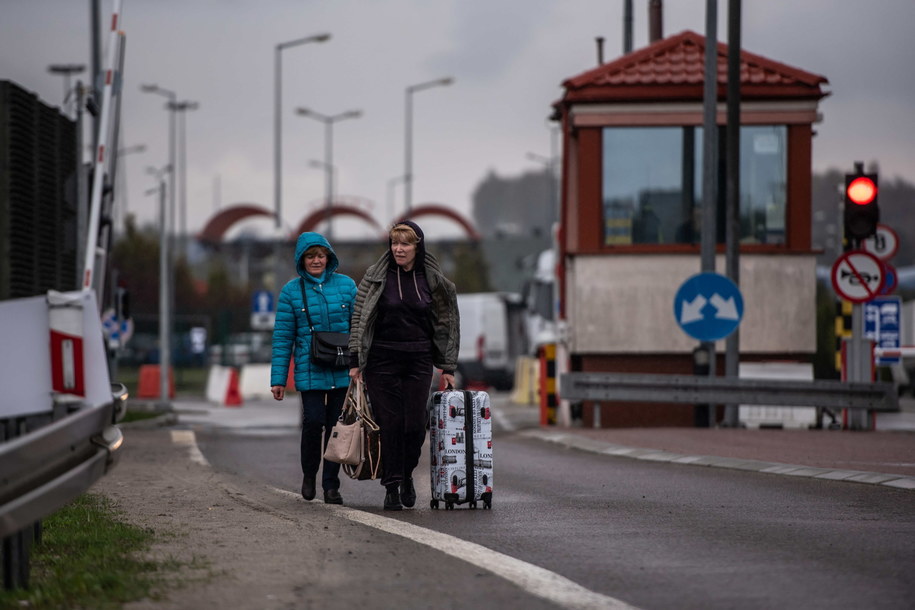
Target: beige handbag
[
  {"x": 345, "y": 443},
  {"x": 355, "y": 440},
  {"x": 357, "y": 409}
]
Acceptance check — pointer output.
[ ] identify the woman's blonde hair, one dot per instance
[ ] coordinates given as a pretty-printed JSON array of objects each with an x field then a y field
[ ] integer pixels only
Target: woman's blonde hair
[{"x": 404, "y": 233}]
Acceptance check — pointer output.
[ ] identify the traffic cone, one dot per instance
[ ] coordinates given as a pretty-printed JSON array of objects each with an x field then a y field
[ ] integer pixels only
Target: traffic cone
[{"x": 233, "y": 396}]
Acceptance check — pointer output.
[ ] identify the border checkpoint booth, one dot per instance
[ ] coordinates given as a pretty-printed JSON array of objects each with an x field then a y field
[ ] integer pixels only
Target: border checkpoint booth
[{"x": 628, "y": 228}]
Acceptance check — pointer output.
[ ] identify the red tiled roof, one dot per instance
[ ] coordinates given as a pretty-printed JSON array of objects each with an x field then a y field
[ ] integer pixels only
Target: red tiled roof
[{"x": 674, "y": 68}]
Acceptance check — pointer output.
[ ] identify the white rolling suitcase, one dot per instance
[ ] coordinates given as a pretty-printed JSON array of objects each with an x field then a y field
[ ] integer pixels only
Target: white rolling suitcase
[{"x": 460, "y": 447}]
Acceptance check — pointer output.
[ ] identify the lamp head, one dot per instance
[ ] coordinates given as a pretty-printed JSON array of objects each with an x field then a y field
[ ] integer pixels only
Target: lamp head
[{"x": 66, "y": 68}]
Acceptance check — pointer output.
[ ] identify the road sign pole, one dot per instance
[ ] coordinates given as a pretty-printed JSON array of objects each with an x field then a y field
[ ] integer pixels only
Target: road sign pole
[{"x": 858, "y": 364}]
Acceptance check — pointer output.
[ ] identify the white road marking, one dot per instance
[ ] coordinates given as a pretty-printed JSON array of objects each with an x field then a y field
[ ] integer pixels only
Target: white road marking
[
  {"x": 532, "y": 579},
  {"x": 503, "y": 420},
  {"x": 188, "y": 439}
]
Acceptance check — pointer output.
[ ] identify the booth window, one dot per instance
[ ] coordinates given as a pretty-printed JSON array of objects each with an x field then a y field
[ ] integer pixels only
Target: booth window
[{"x": 652, "y": 184}]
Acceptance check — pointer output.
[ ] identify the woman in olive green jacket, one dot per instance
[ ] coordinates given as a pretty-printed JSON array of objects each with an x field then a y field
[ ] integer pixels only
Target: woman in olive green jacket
[{"x": 405, "y": 322}]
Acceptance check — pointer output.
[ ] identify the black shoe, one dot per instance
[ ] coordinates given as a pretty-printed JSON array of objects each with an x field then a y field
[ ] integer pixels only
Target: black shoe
[
  {"x": 332, "y": 496},
  {"x": 407, "y": 493},
  {"x": 308, "y": 488},
  {"x": 392, "y": 500}
]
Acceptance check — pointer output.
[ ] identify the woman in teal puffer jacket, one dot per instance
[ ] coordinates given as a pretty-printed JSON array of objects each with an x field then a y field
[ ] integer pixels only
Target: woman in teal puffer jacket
[{"x": 329, "y": 297}]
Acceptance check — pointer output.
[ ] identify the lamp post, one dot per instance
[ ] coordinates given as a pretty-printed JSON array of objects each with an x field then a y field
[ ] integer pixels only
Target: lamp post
[
  {"x": 408, "y": 136},
  {"x": 164, "y": 298},
  {"x": 316, "y": 164},
  {"x": 278, "y": 121},
  {"x": 182, "y": 107},
  {"x": 329, "y": 121},
  {"x": 172, "y": 102},
  {"x": 66, "y": 70},
  {"x": 168, "y": 223}
]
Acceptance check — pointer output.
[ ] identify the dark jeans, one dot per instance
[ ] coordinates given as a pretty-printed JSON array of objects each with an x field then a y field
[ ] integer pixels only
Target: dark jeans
[
  {"x": 398, "y": 387},
  {"x": 320, "y": 410}
]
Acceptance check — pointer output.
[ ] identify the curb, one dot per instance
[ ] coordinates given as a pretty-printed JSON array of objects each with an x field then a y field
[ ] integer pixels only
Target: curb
[{"x": 574, "y": 441}]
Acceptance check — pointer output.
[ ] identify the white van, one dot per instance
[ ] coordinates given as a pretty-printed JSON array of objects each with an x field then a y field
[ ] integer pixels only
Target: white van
[{"x": 492, "y": 336}]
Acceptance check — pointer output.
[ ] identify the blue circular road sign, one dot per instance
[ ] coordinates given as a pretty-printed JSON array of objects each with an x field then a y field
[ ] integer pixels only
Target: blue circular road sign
[{"x": 708, "y": 306}]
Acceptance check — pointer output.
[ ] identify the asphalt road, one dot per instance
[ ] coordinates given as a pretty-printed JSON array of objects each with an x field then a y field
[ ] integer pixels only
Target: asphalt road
[{"x": 651, "y": 535}]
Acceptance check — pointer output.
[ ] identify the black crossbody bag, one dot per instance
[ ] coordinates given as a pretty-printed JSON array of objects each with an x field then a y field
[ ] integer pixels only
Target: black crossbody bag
[{"x": 328, "y": 349}]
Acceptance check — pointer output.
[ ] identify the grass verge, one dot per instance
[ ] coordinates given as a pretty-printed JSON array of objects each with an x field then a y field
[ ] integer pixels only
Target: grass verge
[{"x": 88, "y": 558}]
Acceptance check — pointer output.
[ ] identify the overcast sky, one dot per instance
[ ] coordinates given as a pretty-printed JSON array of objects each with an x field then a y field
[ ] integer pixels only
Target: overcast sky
[{"x": 508, "y": 59}]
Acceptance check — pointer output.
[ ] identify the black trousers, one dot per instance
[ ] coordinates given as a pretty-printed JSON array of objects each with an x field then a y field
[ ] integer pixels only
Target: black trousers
[
  {"x": 320, "y": 410},
  {"x": 398, "y": 386}
]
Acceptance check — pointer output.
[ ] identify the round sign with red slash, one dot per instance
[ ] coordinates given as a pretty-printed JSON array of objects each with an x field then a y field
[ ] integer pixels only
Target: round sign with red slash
[
  {"x": 883, "y": 244},
  {"x": 858, "y": 276}
]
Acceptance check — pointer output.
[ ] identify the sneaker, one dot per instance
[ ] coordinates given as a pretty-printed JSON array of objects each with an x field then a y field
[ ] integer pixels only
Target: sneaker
[
  {"x": 392, "y": 500},
  {"x": 407, "y": 493},
  {"x": 308, "y": 488},
  {"x": 332, "y": 496}
]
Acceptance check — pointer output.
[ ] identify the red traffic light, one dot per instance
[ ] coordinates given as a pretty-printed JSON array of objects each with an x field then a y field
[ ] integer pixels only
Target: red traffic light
[{"x": 862, "y": 190}]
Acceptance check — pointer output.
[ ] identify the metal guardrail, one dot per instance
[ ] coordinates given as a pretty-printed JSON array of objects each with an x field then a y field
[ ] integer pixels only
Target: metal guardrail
[
  {"x": 723, "y": 390},
  {"x": 45, "y": 469}
]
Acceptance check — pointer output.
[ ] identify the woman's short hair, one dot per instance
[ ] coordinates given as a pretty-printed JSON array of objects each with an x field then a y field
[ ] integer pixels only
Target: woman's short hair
[
  {"x": 314, "y": 250},
  {"x": 404, "y": 233}
]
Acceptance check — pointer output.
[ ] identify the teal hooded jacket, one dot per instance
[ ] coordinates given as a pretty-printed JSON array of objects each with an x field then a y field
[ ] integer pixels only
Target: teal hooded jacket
[{"x": 330, "y": 303}]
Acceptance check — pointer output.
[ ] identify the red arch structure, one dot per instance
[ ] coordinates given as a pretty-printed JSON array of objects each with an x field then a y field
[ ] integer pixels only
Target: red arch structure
[
  {"x": 220, "y": 223},
  {"x": 433, "y": 209},
  {"x": 321, "y": 214}
]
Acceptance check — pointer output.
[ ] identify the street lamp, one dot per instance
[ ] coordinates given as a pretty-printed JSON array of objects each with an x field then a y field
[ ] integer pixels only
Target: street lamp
[
  {"x": 321, "y": 165},
  {"x": 172, "y": 99},
  {"x": 66, "y": 70},
  {"x": 165, "y": 356},
  {"x": 168, "y": 221},
  {"x": 408, "y": 136},
  {"x": 277, "y": 122},
  {"x": 182, "y": 107},
  {"x": 329, "y": 121}
]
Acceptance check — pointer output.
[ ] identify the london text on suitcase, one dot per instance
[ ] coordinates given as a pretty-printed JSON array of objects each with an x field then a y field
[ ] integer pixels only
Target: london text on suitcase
[{"x": 460, "y": 448}]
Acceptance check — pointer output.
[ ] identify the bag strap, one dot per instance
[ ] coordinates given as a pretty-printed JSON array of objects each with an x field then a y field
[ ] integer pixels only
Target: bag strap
[{"x": 311, "y": 326}]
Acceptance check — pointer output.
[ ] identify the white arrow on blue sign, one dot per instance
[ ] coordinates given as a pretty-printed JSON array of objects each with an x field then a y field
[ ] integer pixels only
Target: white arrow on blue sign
[{"x": 708, "y": 306}]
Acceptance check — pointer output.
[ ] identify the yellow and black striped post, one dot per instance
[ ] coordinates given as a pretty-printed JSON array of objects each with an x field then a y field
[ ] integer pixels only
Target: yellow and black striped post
[
  {"x": 548, "y": 399},
  {"x": 843, "y": 328}
]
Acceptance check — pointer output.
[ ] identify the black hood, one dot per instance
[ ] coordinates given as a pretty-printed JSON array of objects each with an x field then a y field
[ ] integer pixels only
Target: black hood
[{"x": 420, "y": 246}]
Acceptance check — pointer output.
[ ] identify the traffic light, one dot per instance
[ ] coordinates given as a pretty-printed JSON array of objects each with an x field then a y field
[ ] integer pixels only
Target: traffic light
[{"x": 861, "y": 211}]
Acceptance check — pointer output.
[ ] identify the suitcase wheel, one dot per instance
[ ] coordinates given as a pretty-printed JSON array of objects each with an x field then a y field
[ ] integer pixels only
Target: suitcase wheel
[
  {"x": 487, "y": 504},
  {"x": 433, "y": 504},
  {"x": 473, "y": 505},
  {"x": 449, "y": 505}
]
